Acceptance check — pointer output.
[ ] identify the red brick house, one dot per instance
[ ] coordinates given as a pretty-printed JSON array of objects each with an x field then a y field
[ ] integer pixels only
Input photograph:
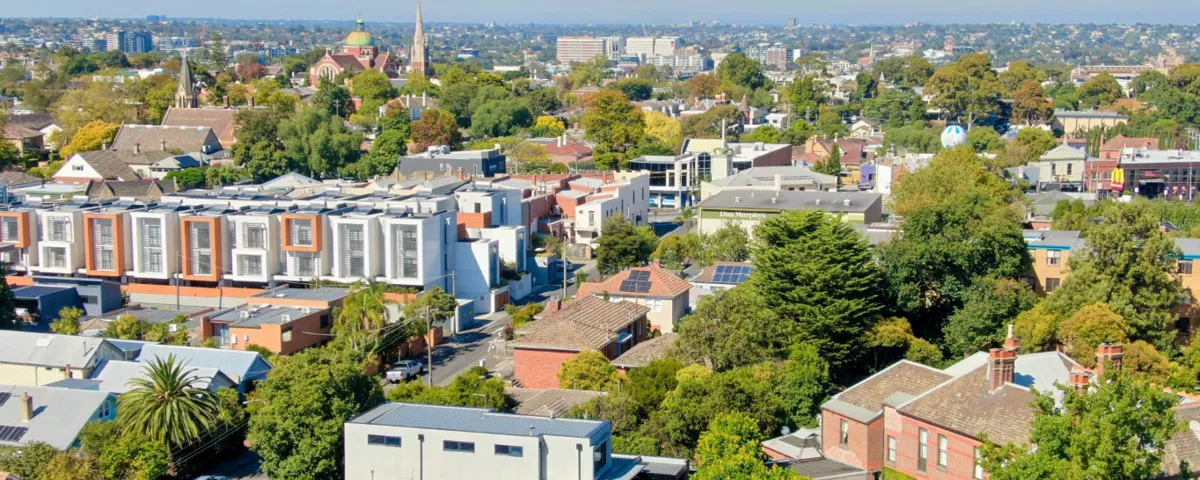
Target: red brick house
[
  {"x": 559, "y": 333},
  {"x": 927, "y": 423}
]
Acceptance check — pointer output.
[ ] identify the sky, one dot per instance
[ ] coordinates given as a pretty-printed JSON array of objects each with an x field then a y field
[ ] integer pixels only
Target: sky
[{"x": 635, "y": 11}]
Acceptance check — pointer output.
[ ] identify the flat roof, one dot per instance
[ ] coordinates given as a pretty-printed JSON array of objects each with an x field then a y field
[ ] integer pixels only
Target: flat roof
[
  {"x": 856, "y": 202},
  {"x": 261, "y": 315},
  {"x": 37, "y": 291},
  {"x": 476, "y": 420},
  {"x": 325, "y": 294}
]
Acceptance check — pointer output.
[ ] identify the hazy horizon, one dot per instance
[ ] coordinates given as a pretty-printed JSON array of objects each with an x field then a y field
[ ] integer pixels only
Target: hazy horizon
[{"x": 633, "y": 12}]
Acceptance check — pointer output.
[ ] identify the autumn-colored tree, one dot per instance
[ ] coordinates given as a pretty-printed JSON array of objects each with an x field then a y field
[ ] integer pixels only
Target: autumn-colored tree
[
  {"x": 436, "y": 127},
  {"x": 704, "y": 86},
  {"x": 92, "y": 136}
]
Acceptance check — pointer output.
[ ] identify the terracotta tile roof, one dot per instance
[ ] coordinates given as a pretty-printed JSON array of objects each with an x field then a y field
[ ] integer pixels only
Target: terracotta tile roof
[
  {"x": 586, "y": 324},
  {"x": 551, "y": 401},
  {"x": 1121, "y": 142},
  {"x": 578, "y": 150},
  {"x": 220, "y": 120},
  {"x": 663, "y": 283},
  {"x": 644, "y": 353},
  {"x": 965, "y": 406},
  {"x": 898, "y": 383}
]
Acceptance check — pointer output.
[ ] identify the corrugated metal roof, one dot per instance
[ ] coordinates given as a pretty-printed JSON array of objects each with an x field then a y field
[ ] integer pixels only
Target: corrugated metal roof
[
  {"x": 477, "y": 420},
  {"x": 238, "y": 365},
  {"x": 58, "y": 413},
  {"x": 114, "y": 376},
  {"x": 49, "y": 350}
]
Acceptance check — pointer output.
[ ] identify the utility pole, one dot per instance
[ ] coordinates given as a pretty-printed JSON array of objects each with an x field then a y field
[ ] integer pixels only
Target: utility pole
[{"x": 564, "y": 262}]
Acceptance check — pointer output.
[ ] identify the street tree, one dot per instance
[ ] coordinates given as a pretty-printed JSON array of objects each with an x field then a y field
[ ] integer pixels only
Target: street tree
[
  {"x": 613, "y": 122},
  {"x": 67, "y": 322},
  {"x": 624, "y": 245}
]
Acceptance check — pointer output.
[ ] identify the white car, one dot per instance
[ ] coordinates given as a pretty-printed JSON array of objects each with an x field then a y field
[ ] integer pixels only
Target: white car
[{"x": 404, "y": 370}]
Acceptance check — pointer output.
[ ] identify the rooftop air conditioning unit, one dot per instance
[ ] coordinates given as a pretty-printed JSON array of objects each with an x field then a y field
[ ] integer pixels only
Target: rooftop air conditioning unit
[
  {"x": 285, "y": 318},
  {"x": 244, "y": 314}
]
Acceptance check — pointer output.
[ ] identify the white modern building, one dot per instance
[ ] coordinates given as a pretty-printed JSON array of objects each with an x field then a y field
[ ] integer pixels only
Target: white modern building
[
  {"x": 156, "y": 242},
  {"x": 60, "y": 240},
  {"x": 256, "y": 245},
  {"x": 433, "y": 442},
  {"x": 357, "y": 245}
]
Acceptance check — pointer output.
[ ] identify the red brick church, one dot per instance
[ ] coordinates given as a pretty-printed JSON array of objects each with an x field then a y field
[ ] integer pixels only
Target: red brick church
[{"x": 359, "y": 53}]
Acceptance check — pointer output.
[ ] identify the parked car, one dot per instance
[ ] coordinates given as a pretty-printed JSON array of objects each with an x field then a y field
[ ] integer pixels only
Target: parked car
[{"x": 404, "y": 370}]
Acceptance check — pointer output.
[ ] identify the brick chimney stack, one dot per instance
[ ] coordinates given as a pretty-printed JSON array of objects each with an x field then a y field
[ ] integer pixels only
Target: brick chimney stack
[
  {"x": 1011, "y": 342},
  {"x": 26, "y": 407},
  {"x": 1081, "y": 378},
  {"x": 1109, "y": 354},
  {"x": 1001, "y": 367},
  {"x": 554, "y": 305}
]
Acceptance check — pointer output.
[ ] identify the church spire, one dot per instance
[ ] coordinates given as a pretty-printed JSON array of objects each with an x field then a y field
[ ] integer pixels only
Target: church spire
[
  {"x": 185, "y": 96},
  {"x": 419, "y": 55}
]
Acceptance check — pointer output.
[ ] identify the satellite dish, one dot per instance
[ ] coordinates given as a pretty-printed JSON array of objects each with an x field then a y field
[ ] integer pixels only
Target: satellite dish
[{"x": 785, "y": 430}]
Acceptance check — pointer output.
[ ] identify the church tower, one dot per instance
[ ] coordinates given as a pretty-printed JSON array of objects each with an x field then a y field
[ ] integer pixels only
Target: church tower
[
  {"x": 419, "y": 56},
  {"x": 185, "y": 96}
]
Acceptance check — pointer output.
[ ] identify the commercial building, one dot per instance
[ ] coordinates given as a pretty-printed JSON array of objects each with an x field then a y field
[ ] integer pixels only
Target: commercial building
[
  {"x": 649, "y": 47},
  {"x": 439, "y": 160},
  {"x": 583, "y": 49},
  {"x": 770, "y": 179},
  {"x": 400, "y": 440},
  {"x": 1071, "y": 123},
  {"x": 675, "y": 179},
  {"x": 1168, "y": 174},
  {"x": 748, "y": 209}
]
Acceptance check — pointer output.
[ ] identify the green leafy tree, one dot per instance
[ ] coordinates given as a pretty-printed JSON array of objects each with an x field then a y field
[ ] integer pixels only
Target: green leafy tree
[
  {"x": 1099, "y": 91},
  {"x": 730, "y": 243},
  {"x": 363, "y": 315},
  {"x": 731, "y": 329},
  {"x": 67, "y": 322},
  {"x": 1129, "y": 265},
  {"x": 895, "y": 108},
  {"x": 984, "y": 140},
  {"x": 1089, "y": 327},
  {"x": 624, "y": 245},
  {"x": 217, "y": 176},
  {"x": 472, "y": 388},
  {"x": 90, "y": 137},
  {"x": 543, "y": 100},
  {"x": 27, "y": 461},
  {"x": 1118, "y": 430},
  {"x": 708, "y": 124},
  {"x": 298, "y": 413},
  {"x": 988, "y": 306},
  {"x": 318, "y": 143},
  {"x": 167, "y": 405},
  {"x": 187, "y": 178},
  {"x": 500, "y": 118},
  {"x": 816, "y": 271},
  {"x": 258, "y": 149},
  {"x": 635, "y": 89},
  {"x": 613, "y": 122},
  {"x": 126, "y": 327},
  {"x": 588, "y": 370},
  {"x": 1018, "y": 73},
  {"x": 333, "y": 99},
  {"x": 134, "y": 457},
  {"x": 1030, "y": 104},
  {"x": 832, "y": 165},
  {"x": 738, "y": 69},
  {"x": 428, "y": 311},
  {"x": 677, "y": 250}
]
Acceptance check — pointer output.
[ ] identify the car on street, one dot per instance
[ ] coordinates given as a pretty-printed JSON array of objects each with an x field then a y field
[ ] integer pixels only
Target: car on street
[{"x": 404, "y": 370}]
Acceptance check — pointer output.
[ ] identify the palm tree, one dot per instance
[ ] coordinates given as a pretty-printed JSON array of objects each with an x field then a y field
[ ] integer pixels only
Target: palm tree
[
  {"x": 363, "y": 314},
  {"x": 166, "y": 405}
]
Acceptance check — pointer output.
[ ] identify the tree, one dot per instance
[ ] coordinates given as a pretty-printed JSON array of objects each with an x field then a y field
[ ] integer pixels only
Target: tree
[
  {"x": 318, "y": 143},
  {"x": 499, "y": 118},
  {"x": 894, "y": 108},
  {"x": 704, "y": 86},
  {"x": 167, "y": 405},
  {"x": 677, "y": 251},
  {"x": 1018, "y": 74},
  {"x": 613, "y": 122},
  {"x": 333, "y": 99},
  {"x": 1089, "y": 327},
  {"x": 297, "y": 420},
  {"x": 436, "y": 127},
  {"x": 635, "y": 89},
  {"x": 547, "y": 126},
  {"x": 728, "y": 435},
  {"x": 1118, "y": 430},
  {"x": 472, "y": 388},
  {"x": 624, "y": 245},
  {"x": 988, "y": 306},
  {"x": 764, "y": 133},
  {"x": 588, "y": 370},
  {"x": 866, "y": 86},
  {"x": 428, "y": 311},
  {"x": 1129, "y": 265},
  {"x": 730, "y": 329},
  {"x": 738, "y": 69},
  {"x": 27, "y": 461},
  {"x": 187, "y": 178},
  {"x": 816, "y": 271},
  {"x": 1099, "y": 91},
  {"x": 984, "y": 140},
  {"x": 67, "y": 322},
  {"x": 374, "y": 88},
  {"x": 832, "y": 165},
  {"x": 730, "y": 243},
  {"x": 134, "y": 457},
  {"x": 126, "y": 327},
  {"x": 217, "y": 176},
  {"x": 363, "y": 315},
  {"x": 96, "y": 101},
  {"x": 90, "y": 137},
  {"x": 664, "y": 129},
  {"x": 708, "y": 124},
  {"x": 530, "y": 157},
  {"x": 967, "y": 87},
  {"x": 543, "y": 100},
  {"x": 1030, "y": 104}
]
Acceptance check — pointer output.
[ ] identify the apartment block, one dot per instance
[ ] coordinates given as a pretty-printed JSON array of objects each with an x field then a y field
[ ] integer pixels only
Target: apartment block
[
  {"x": 256, "y": 246},
  {"x": 305, "y": 234},
  {"x": 60, "y": 240},
  {"x": 582, "y": 49},
  {"x": 18, "y": 238},
  {"x": 157, "y": 244},
  {"x": 108, "y": 239},
  {"x": 206, "y": 247},
  {"x": 357, "y": 244}
]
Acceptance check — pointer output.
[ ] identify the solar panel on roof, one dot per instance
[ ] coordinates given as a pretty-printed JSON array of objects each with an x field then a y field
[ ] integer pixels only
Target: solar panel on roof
[
  {"x": 11, "y": 434},
  {"x": 732, "y": 273},
  {"x": 639, "y": 275}
]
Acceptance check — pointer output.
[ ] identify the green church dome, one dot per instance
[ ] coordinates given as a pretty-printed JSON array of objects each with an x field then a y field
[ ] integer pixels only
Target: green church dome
[{"x": 360, "y": 37}]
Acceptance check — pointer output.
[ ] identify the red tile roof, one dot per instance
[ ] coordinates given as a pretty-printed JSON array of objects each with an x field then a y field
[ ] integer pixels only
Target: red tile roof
[
  {"x": 590, "y": 323},
  {"x": 663, "y": 283}
]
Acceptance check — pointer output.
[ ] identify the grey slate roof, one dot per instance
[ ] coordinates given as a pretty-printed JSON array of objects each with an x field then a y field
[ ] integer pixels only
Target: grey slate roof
[
  {"x": 114, "y": 376},
  {"x": 151, "y": 137},
  {"x": 50, "y": 350},
  {"x": 549, "y": 402},
  {"x": 477, "y": 420},
  {"x": 865, "y": 400},
  {"x": 109, "y": 165},
  {"x": 58, "y": 413},
  {"x": 794, "y": 200}
]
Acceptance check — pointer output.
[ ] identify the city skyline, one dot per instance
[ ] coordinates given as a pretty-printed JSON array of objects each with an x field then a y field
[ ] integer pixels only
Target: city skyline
[{"x": 766, "y": 12}]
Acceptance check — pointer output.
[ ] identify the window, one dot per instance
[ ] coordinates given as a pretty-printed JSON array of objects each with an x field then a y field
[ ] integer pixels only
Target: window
[
  {"x": 59, "y": 230},
  {"x": 922, "y": 450},
  {"x": 354, "y": 256},
  {"x": 105, "y": 409},
  {"x": 251, "y": 265},
  {"x": 76, "y": 168},
  {"x": 654, "y": 304},
  {"x": 9, "y": 229},
  {"x": 1053, "y": 257},
  {"x": 383, "y": 440},
  {"x": 451, "y": 446},
  {"x": 102, "y": 244},
  {"x": 591, "y": 219},
  {"x": 305, "y": 266},
  {"x": 104, "y": 259},
  {"x": 302, "y": 233},
  {"x": 201, "y": 243},
  {"x": 287, "y": 335},
  {"x": 1069, "y": 169},
  {"x": 600, "y": 457},
  {"x": 978, "y": 464},
  {"x": 891, "y": 449},
  {"x": 942, "y": 451},
  {"x": 510, "y": 450},
  {"x": 844, "y": 437},
  {"x": 405, "y": 237},
  {"x": 56, "y": 257},
  {"x": 1051, "y": 284},
  {"x": 1185, "y": 267},
  {"x": 153, "y": 262},
  {"x": 254, "y": 236}
]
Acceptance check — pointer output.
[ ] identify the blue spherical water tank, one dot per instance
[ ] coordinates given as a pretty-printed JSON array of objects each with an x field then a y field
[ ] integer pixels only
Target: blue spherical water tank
[{"x": 953, "y": 136}]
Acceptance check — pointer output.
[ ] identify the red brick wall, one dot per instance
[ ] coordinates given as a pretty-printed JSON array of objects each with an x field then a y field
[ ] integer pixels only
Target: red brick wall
[
  {"x": 538, "y": 368},
  {"x": 864, "y": 449},
  {"x": 960, "y": 459},
  {"x": 778, "y": 158}
]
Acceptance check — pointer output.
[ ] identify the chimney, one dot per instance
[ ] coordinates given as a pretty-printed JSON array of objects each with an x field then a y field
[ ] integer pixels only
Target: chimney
[
  {"x": 163, "y": 144},
  {"x": 1081, "y": 378},
  {"x": 104, "y": 145},
  {"x": 225, "y": 101},
  {"x": 68, "y": 371},
  {"x": 137, "y": 148},
  {"x": 1001, "y": 367},
  {"x": 554, "y": 305},
  {"x": 1109, "y": 354},
  {"x": 1011, "y": 342},
  {"x": 656, "y": 262},
  {"x": 26, "y": 407}
]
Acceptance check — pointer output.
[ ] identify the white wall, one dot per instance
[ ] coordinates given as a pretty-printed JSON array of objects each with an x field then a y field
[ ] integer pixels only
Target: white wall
[{"x": 512, "y": 242}]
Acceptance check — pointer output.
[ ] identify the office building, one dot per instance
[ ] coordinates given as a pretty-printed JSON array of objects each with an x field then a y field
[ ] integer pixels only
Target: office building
[
  {"x": 649, "y": 47},
  {"x": 582, "y": 49}
]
